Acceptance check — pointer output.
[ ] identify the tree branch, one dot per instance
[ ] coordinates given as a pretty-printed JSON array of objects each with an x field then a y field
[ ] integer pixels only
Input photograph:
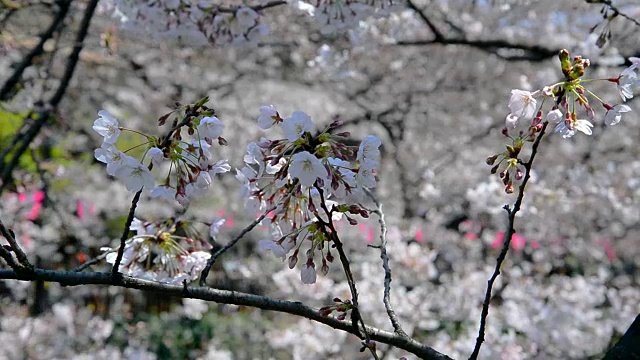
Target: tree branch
[
  {"x": 386, "y": 299},
  {"x": 507, "y": 241},
  {"x": 68, "y": 278},
  {"x": 22, "y": 257}
]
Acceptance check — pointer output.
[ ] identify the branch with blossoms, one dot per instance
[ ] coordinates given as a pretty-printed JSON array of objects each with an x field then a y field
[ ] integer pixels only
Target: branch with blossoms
[{"x": 568, "y": 97}]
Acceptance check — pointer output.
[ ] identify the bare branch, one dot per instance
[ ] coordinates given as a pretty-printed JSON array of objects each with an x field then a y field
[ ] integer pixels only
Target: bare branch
[
  {"x": 505, "y": 246},
  {"x": 524, "y": 51},
  {"x": 69, "y": 278},
  {"x": 386, "y": 299},
  {"x": 270, "y": 4},
  {"x": 22, "y": 257},
  {"x": 125, "y": 232},
  {"x": 93, "y": 261}
]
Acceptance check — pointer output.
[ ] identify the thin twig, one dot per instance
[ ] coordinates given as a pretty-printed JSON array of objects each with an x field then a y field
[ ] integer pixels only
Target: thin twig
[
  {"x": 70, "y": 278},
  {"x": 386, "y": 299},
  {"x": 355, "y": 310},
  {"x": 214, "y": 257},
  {"x": 505, "y": 246},
  {"x": 20, "y": 255},
  {"x": 255, "y": 8},
  {"x": 125, "y": 232},
  {"x": 93, "y": 261}
]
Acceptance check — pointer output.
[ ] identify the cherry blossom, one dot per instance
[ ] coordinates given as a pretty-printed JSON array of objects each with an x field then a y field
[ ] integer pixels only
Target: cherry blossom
[
  {"x": 268, "y": 117},
  {"x": 135, "y": 175},
  {"x": 210, "y": 127},
  {"x": 522, "y": 104},
  {"x": 307, "y": 168},
  {"x": 614, "y": 113},
  {"x": 107, "y": 126},
  {"x": 296, "y": 125}
]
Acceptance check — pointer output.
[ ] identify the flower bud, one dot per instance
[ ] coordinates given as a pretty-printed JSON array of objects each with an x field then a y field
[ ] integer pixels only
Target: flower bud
[
  {"x": 324, "y": 269},
  {"x": 491, "y": 159},
  {"x": 293, "y": 260}
]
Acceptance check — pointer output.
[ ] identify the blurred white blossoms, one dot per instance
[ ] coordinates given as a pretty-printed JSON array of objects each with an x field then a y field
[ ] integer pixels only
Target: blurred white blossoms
[
  {"x": 188, "y": 158},
  {"x": 308, "y": 180},
  {"x": 168, "y": 251},
  {"x": 200, "y": 21}
]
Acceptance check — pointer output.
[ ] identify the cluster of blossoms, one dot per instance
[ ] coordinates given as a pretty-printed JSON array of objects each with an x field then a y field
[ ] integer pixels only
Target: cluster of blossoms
[
  {"x": 568, "y": 97},
  {"x": 168, "y": 251},
  {"x": 306, "y": 180},
  {"x": 198, "y": 20},
  {"x": 188, "y": 157},
  {"x": 338, "y": 15}
]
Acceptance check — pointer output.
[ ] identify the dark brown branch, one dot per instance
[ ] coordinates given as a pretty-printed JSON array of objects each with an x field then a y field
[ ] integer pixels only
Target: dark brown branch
[
  {"x": 270, "y": 4},
  {"x": 614, "y": 9},
  {"x": 507, "y": 242},
  {"x": 22, "y": 257},
  {"x": 629, "y": 345},
  {"x": 125, "y": 232},
  {"x": 436, "y": 33},
  {"x": 529, "y": 52},
  {"x": 68, "y": 278},
  {"x": 386, "y": 299},
  {"x": 8, "y": 86}
]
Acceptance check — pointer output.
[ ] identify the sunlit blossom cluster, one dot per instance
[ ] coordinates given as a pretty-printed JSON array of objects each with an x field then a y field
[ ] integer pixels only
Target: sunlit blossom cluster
[
  {"x": 198, "y": 20},
  {"x": 308, "y": 179},
  {"x": 188, "y": 157},
  {"x": 168, "y": 251},
  {"x": 570, "y": 100}
]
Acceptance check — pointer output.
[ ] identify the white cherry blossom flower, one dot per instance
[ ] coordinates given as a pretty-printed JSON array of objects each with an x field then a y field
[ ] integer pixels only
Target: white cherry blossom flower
[
  {"x": 214, "y": 228},
  {"x": 111, "y": 156},
  {"x": 165, "y": 192},
  {"x": 219, "y": 167},
  {"x": 203, "y": 181},
  {"x": 308, "y": 274},
  {"x": 296, "y": 125},
  {"x": 369, "y": 148},
  {"x": 135, "y": 175},
  {"x": 307, "y": 168},
  {"x": 628, "y": 80},
  {"x": 268, "y": 116},
  {"x": 522, "y": 104},
  {"x": 577, "y": 125},
  {"x": 210, "y": 127},
  {"x": 107, "y": 126},
  {"x": 366, "y": 173},
  {"x": 511, "y": 121},
  {"x": 614, "y": 114},
  {"x": 277, "y": 249},
  {"x": 156, "y": 156},
  {"x": 555, "y": 116}
]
